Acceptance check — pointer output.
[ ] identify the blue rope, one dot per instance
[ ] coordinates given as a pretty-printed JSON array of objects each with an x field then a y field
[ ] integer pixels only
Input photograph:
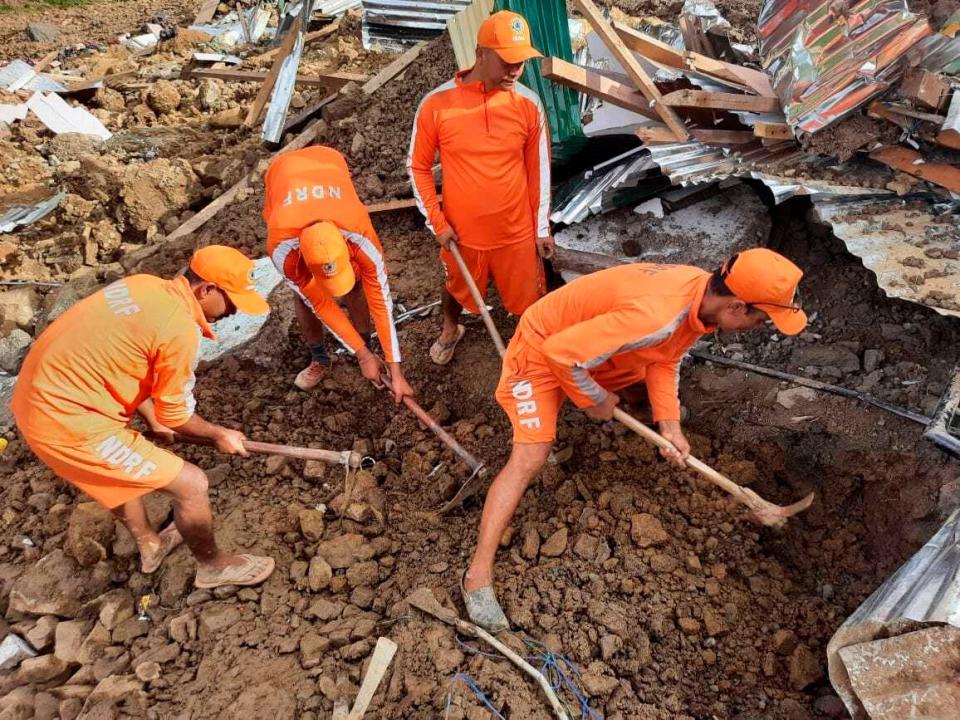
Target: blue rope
[
  {"x": 472, "y": 686},
  {"x": 561, "y": 679}
]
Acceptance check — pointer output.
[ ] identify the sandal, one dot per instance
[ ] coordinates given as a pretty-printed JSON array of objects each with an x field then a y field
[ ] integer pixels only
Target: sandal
[
  {"x": 442, "y": 353},
  {"x": 170, "y": 540},
  {"x": 254, "y": 570},
  {"x": 483, "y": 608}
]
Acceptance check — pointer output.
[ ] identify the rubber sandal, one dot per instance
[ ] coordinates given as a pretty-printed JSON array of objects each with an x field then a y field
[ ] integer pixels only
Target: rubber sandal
[
  {"x": 254, "y": 571},
  {"x": 483, "y": 608},
  {"x": 169, "y": 541},
  {"x": 442, "y": 353}
]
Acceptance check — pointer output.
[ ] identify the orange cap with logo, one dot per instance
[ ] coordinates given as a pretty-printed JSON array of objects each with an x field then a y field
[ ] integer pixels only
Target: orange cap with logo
[
  {"x": 231, "y": 271},
  {"x": 325, "y": 252},
  {"x": 507, "y": 34},
  {"x": 768, "y": 281}
]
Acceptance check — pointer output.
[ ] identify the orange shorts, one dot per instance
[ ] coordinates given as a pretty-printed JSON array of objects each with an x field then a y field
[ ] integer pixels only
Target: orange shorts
[
  {"x": 113, "y": 468},
  {"x": 516, "y": 269}
]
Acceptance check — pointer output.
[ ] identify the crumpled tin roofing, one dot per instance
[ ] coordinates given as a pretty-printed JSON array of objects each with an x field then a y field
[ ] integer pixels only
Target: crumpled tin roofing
[
  {"x": 827, "y": 60},
  {"x": 693, "y": 162},
  {"x": 401, "y": 23}
]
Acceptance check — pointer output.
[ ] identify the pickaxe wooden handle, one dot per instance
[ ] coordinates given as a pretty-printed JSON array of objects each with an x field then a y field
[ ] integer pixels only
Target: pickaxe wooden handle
[
  {"x": 475, "y": 294},
  {"x": 353, "y": 459},
  {"x": 764, "y": 511}
]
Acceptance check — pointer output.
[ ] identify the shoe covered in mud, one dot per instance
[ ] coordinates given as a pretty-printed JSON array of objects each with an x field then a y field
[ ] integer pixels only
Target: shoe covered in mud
[
  {"x": 483, "y": 608},
  {"x": 310, "y": 376},
  {"x": 252, "y": 571}
]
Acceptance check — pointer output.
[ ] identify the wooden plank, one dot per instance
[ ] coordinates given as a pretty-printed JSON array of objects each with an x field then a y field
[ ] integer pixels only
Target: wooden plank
[
  {"x": 925, "y": 89},
  {"x": 256, "y": 110},
  {"x": 45, "y": 61},
  {"x": 323, "y": 79},
  {"x": 773, "y": 130},
  {"x": 308, "y": 112},
  {"x": 636, "y": 72},
  {"x": 650, "y": 47},
  {"x": 662, "y": 134},
  {"x": 912, "y": 163},
  {"x": 391, "y": 205},
  {"x": 722, "y": 101},
  {"x": 310, "y": 37},
  {"x": 379, "y": 662},
  {"x": 596, "y": 85},
  {"x": 393, "y": 69},
  {"x": 206, "y": 12},
  {"x": 204, "y": 216}
]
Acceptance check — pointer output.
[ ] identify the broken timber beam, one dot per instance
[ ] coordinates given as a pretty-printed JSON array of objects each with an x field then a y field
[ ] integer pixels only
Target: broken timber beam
[
  {"x": 321, "y": 79},
  {"x": 596, "y": 85},
  {"x": 773, "y": 130},
  {"x": 657, "y": 51},
  {"x": 912, "y": 163},
  {"x": 307, "y": 39},
  {"x": 722, "y": 101},
  {"x": 393, "y": 69},
  {"x": 309, "y": 111},
  {"x": 206, "y": 12},
  {"x": 659, "y": 134},
  {"x": 634, "y": 70},
  {"x": 286, "y": 47}
]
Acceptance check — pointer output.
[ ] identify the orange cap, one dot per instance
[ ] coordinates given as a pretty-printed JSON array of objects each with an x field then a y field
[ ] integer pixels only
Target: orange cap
[
  {"x": 769, "y": 281},
  {"x": 508, "y": 34},
  {"x": 325, "y": 252},
  {"x": 231, "y": 271}
]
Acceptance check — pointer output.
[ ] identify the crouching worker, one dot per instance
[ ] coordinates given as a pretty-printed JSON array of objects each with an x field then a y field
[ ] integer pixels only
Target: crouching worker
[
  {"x": 604, "y": 332},
  {"x": 133, "y": 346},
  {"x": 320, "y": 237}
]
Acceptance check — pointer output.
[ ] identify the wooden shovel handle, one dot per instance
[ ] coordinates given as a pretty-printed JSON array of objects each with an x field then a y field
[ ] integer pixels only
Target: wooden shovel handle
[
  {"x": 475, "y": 294},
  {"x": 353, "y": 459}
]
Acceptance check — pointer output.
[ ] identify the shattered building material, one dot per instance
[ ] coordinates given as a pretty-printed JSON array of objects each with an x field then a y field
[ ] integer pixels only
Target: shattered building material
[
  {"x": 283, "y": 89},
  {"x": 291, "y": 40},
  {"x": 25, "y": 215},
  {"x": 949, "y": 134},
  {"x": 463, "y": 28},
  {"x": 881, "y": 674},
  {"x": 927, "y": 89},
  {"x": 597, "y": 85},
  {"x": 398, "y": 24},
  {"x": 911, "y": 162},
  {"x": 942, "y": 430},
  {"x": 12, "y": 76},
  {"x": 919, "y": 266},
  {"x": 829, "y": 60},
  {"x": 59, "y": 117},
  {"x": 722, "y": 101}
]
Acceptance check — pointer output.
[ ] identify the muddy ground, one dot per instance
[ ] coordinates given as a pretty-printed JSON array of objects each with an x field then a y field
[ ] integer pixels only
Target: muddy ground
[{"x": 649, "y": 581}]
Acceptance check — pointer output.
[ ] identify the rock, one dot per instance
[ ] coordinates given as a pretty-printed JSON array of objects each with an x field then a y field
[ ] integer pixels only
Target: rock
[
  {"x": 42, "y": 32},
  {"x": 647, "y": 530},
  {"x": 364, "y": 574},
  {"x": 115, "y": 607},
  {"x": 46, "y": 707},
  {"x": 147, "y": 672},
  {"x": 13, "y": 349},
  {"x": 94, "y": 645},
  {"x": 118, "y": 689},
  {"x": 214, "y": 619},
  {"x": 69, "y": 639},
  {"x": 790, "y": 709},
  {"x": 41, "y": 635},
  {"x": 531, "y": 544},
  {"x": 89, "y": 533},
  {"x": 70, "y": 147},
  {"x": 129, "y": 630},
  {"x": 177, "y": 579},
  {"x": 107, "y": 237},
  {"x": 872, "y": 360},
  {"x": 821, "y": 355},
  {"x": 662, "y": 563},
  {"x": 323, "y": 609},
  {"x": 209, "y": 94},
  {"x": 714, "y": 623},
  {"x": 275, "y": 464},
  {"x": 312, "y": 649},
  {"x": 163, "y": 97},
  {"x": 556, "y": 544},
  {"x": 55, "y": 585},
  {"x": 805, "y": 668},
  {"x": 228, "y": 119},
  {"x": 311, "y": 524},
  {"x": 156, "y": 189},
  {"x": 598, "y": 685},
  {"x": 319, "y": 575},
  {"x": 831, "y": 706},
  {"x": 183, "y": 628},
  {"x": 792, "y": 396},
  {"x": 18, "y": 306},
  {"x": 344, "y": 550},
  {"x": 610, "y": 645},
  {"x": 40, "y": 670},
  {"x": 689, "y": 626},
  {"x": 784, "y": 642}
]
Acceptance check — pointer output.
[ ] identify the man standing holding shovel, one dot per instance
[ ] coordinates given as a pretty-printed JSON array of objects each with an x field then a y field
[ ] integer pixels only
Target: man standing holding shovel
[
  {"x": 494, "y": 145},
  {"x": 132, "y": 347},
  {"x": 604, "y": 332}
]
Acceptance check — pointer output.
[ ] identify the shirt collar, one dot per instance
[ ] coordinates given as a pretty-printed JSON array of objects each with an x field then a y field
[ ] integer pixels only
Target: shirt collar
[
  {"x": 693, "y": 317},
  {"x": 461, "y": 74},
  {"x": 181, "y": 286}
]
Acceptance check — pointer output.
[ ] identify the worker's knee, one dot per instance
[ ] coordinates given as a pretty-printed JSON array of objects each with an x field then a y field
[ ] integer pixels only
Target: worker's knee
[
  {"x": 526, "y": 459},
  {"x": 190, "y": 484}
]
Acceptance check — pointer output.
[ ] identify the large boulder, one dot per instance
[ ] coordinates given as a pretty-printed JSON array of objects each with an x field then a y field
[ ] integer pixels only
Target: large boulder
[
  {"x": 57, "y": 585},
  {"x": 89, "y": 533},
  {"x": 157, "y": 189}
]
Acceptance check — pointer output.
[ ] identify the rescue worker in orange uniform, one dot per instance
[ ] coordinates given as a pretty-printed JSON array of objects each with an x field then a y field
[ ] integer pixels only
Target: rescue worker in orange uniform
[
  {"x": 494, "y": 144},
  {"x": 320, "y": 238},
  {"x": 605, "y": 332},
  {"x": 130, "y": 347}
]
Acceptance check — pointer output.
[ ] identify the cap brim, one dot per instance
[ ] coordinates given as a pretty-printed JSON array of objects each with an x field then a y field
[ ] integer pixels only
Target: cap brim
[
  {"x": 341, "y": 284},
  {"x": 789, "y": 322},
  {"x": 517, "y": 54},
  {"x": 251, "y": 303}
]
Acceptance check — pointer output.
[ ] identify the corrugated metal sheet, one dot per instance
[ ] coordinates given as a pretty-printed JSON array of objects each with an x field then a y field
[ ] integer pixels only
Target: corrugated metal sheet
[
  {"x": 694, "y": 163},
  {"x": 27, "y": 214},
  {"x": 463, "y": 28},
  {"x": 924, "y": 589},
  {"x": 335, "y": 7},
  {"x": 828, "y": 60},
  {"x": 399, "y": 24}
]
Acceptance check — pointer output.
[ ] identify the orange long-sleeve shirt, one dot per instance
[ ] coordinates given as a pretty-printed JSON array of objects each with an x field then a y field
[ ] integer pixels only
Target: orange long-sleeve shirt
[
  {"x": 495, "y": 156},
  {"x": 596, "y": 333},
  {"x": 92, "y": 368},
  {"x": 312, "y": 185}
]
